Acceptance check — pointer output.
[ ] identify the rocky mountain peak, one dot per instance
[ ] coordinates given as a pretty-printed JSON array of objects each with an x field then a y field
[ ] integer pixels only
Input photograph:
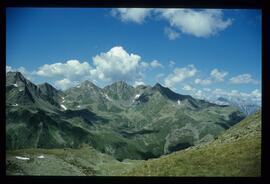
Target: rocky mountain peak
[
  {"x": 222, "y": 99},
  {"x": 161, "y": 89},
  {"x": 15, "y": 77},
  {"x": 46, "y": 86},
  {"x": 88, "y": 85},
  {"x": 120, "y": 83},
  {"x": 167, "y": 92},
  {"x": 158, "y": 85},
  {"x": 48, "y": 89}
]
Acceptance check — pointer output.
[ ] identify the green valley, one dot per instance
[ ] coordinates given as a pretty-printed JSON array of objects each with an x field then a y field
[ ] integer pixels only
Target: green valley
[{"x": 237, "y": 152}]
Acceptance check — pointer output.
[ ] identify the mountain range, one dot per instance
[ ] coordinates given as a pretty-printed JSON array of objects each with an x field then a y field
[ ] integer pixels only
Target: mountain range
[
  {"x": 120, "y": 120},
  {"x": 244, "y": 106}
]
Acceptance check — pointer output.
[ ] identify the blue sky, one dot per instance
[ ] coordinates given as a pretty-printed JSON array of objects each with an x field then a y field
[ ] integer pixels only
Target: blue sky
[{"x": 192, "y": 51}]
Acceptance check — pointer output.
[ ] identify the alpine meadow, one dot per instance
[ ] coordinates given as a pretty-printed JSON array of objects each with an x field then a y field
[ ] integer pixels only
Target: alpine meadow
[{"x": 133, "y": 92}]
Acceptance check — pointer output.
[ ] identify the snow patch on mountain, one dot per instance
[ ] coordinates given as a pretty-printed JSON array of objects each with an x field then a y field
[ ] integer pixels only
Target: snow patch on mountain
[
  {"x": 22, "y": 158},
  {"x": 64, "y": 107},
  {"x": 137, "y": 96},
  {"x": 178, "y": 102},
  {"x": 220, "y": 102},
  {"x": 108, "y": 98},
  {"x": 15, "y": 85}
]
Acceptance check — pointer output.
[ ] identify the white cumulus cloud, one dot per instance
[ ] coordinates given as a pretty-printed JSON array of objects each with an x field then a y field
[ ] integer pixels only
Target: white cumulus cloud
[
  {"x": 64, "y": 84},
  {"x": 171, "y": 64},
  {"x": 243, "y": 79},
  {"x": 187, "y": 88},
  {"x": 219, "y": 92},
  {"x": 171, "y": 33},
  {"x": 8, "y": 68},
  {"x": 199, "y": 94},
  {"x": 207, "y": 89},
  {"x": 137, "y": 83},
  {"x": 156, "y": 64},
  {"x": 72, "y": 69},
  {"x": 218, "y": 75},
  {"x": 145, "y": 65},
  {"x": 159, "y": 77},
  {"x": 199, "y": 23},
  {"x": 203, "y": 81},
  {"x": 136, "y": 15},
  {"x": 256, "y": 93},
  {"x": 179, "y": 75},
  {"x": 116, "y": 64}
]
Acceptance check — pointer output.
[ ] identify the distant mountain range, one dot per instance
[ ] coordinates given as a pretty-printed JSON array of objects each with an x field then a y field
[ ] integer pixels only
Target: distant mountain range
[
  {"x": 121, "y": 120},
  {"x": 244, "y": 106}
]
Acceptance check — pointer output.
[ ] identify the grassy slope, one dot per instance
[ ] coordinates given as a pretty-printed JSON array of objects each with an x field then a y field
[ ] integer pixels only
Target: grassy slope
[
  {"x": 235, "y": 153},
  {"x": 65, "y": 162}
]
